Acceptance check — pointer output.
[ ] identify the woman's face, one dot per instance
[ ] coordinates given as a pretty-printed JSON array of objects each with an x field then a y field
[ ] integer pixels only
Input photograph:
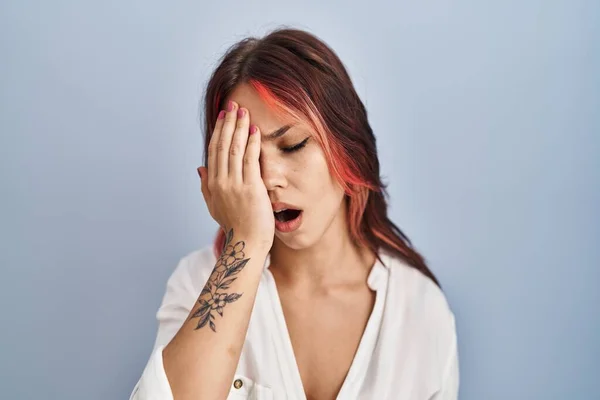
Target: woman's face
[{"x": 298, "y": 177}]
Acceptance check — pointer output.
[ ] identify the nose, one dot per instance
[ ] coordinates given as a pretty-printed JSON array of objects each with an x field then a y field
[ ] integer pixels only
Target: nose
[{"x": 272, "y": 171}]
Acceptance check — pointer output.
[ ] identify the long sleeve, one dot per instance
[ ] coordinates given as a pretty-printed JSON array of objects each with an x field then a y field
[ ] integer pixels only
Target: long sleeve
[
  {"x": 178, "y": 301},
  {"x": 450, "y": 381}
]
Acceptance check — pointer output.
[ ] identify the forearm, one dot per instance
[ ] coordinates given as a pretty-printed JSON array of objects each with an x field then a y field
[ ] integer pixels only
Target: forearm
[{"x": 200, "y": 361}]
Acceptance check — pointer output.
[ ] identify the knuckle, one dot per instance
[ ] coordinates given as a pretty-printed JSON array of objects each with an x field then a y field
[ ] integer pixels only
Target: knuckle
[
  {"x": 222, "y": 185},
  {"x": 237, "y": 189},
  {"x": 235, "y": 149}
]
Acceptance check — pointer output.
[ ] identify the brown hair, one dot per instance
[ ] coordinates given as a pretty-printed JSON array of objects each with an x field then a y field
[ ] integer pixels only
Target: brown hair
[{"x": 298, "y": 75}]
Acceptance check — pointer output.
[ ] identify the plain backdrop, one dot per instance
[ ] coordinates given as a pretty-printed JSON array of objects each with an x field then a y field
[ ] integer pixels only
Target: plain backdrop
[{"x": 487, "y": 120}]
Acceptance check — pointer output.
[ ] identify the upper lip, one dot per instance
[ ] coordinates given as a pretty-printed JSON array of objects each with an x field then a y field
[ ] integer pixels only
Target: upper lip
[{"x": 281, "y": 206}]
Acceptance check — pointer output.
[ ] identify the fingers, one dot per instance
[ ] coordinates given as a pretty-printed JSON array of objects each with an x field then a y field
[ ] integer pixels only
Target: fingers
[
  {"x": 212, "y": 146},
  {"x": 233, "y": 152},
  {"x": 238, "y": 146},
  {"x": 251, "y": 165},
  {"x": 224, "y": 141}
]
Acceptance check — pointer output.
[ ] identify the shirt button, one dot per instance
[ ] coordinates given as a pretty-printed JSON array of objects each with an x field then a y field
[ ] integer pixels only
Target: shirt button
[{"x": 238, "y": 383}]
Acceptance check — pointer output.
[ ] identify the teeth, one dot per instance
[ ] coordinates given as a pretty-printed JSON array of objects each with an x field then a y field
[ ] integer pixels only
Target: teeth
[{"x": 278, "y": 211}]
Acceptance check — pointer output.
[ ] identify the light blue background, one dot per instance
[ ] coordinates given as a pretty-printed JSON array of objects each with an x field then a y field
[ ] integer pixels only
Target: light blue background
[{"x": 487, "y": 118}]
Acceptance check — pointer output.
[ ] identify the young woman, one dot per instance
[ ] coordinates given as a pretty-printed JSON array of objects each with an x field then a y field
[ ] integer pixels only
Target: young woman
[{"x": 310, "y": 291}]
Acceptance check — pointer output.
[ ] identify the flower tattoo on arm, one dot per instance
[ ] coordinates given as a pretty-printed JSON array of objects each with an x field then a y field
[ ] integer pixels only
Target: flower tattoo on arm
[{"x": 213, "y": 297}]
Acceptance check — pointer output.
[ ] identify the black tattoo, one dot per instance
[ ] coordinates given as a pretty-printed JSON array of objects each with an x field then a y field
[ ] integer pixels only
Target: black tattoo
[{"x": 212, "y": 298}]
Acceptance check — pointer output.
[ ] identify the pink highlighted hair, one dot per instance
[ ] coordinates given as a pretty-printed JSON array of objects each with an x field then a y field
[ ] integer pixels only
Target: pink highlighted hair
[{"x": 299, "y": 76}]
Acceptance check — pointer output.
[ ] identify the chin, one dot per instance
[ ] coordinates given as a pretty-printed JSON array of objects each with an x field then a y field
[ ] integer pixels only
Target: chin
[
  {"x": 306, "y": 236},
  {"x": 295, "y": 242}
]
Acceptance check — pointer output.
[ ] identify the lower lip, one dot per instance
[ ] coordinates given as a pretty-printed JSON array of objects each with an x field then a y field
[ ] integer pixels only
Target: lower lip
[{"x": 289, "y": 226}]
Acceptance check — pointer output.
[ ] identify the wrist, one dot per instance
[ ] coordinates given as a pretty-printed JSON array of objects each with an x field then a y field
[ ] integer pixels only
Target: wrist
[
  {"x": 256, "y": 248},
  {"x": 238, "y": 241}
]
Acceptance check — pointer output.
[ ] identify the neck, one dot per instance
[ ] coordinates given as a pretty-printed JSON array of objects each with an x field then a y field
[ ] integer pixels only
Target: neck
[{"x": 333, "y": 260}]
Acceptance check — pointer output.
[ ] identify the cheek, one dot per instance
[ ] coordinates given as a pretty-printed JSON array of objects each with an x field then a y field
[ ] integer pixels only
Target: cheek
[{"x": 315, "y": 176}]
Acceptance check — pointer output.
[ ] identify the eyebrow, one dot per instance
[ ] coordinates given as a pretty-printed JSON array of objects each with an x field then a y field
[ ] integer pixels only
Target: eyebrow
[{"x": 278, "y": 132}]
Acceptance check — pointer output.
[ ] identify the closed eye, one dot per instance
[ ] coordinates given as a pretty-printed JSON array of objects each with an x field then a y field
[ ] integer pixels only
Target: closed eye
[{"x": 295, "y": 147}]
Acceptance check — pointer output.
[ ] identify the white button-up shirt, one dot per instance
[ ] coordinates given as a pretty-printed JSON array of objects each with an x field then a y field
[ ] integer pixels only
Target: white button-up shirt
[{"x": 408, "y": 350}]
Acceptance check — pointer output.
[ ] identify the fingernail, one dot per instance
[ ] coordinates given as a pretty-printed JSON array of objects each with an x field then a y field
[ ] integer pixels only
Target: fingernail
[
  {"x": 230, "y": 106},
  {"x": 253, "y": 129},
  {"x": 241, "y": 113},
  {"x": 221, "y": 114}
]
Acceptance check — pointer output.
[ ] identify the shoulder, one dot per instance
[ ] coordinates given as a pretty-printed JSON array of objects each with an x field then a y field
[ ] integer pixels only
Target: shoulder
[
  {"x": 419, "y": 329},
  {"x": 422, "y": 307},
  {"x": 417, "y": 292}
]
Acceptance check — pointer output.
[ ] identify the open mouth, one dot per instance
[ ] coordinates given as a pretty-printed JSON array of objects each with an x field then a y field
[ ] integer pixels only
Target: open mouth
[{"x": 287, "y": 215}]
